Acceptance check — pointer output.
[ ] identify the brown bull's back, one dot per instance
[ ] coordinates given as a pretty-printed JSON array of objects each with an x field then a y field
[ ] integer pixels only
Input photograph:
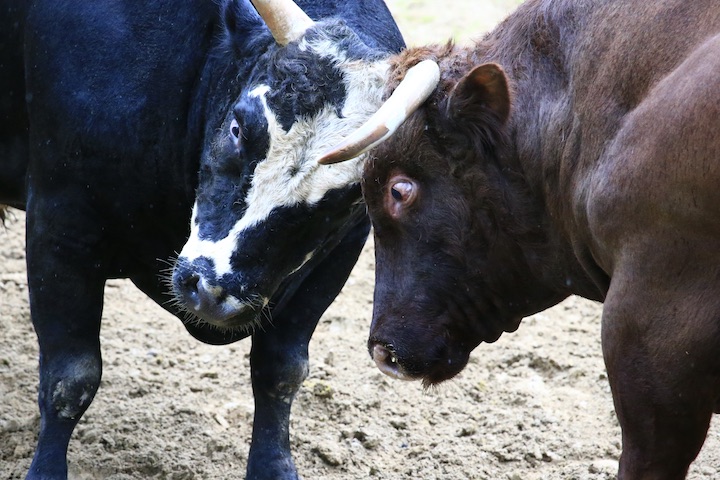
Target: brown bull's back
[{"x": 600, "y": 182}]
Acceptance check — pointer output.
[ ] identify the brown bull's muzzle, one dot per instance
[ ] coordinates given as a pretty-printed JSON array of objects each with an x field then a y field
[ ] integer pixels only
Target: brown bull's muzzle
[
  {"x": 419, "y": 83},
  {"x": 387, "y": 362},
  {"x": 430, "y": 358}
]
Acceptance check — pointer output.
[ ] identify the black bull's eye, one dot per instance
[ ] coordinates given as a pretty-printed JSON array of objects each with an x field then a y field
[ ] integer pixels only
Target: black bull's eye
[{"x": 235, "y": 130}]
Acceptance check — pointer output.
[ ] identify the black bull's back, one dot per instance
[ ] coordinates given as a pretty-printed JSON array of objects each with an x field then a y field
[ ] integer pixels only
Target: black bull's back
[
  {"x": 103, "y": 111},
  {"x": 572, "y": 151}
]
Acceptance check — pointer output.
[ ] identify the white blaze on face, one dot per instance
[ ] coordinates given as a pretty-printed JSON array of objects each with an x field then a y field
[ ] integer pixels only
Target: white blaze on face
[
  {"x": 290, "y": 174},
  {"x": 195, "y": 247}
]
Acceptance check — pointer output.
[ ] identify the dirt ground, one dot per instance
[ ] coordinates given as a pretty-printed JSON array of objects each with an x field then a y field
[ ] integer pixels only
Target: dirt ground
[{"x": 534, "y": 405}]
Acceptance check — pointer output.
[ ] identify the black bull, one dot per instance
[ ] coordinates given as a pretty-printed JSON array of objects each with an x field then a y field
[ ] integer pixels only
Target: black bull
[
  {"x": 105, "y": 109},
  {"x": 574, "y": 150}
]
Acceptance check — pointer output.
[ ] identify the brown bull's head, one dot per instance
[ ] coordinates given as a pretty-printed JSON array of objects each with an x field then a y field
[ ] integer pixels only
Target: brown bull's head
[{"x": 452, "y": 231}]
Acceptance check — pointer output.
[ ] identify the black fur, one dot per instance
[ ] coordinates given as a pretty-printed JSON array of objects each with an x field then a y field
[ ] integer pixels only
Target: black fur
[{"x": 108, "y": 112}]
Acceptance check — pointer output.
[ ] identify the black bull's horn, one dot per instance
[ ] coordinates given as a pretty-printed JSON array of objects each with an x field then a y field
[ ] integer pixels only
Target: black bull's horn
[
  {"x": 419, "y": 82},
  {"x": 285, "y": 20}
]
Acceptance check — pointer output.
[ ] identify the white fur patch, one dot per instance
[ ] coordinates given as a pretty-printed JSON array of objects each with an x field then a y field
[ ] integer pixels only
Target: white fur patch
[{"x": 290, "y": 175}]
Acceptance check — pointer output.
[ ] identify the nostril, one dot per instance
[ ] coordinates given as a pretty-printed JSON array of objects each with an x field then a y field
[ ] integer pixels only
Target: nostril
[
  {"x": 189, "y": 288},
  {"x": 387, "y": 362},
  {"x": 381, "y": 354},
  {"x": 197, "y": 291},
  {"x": 190, "y": 283}
]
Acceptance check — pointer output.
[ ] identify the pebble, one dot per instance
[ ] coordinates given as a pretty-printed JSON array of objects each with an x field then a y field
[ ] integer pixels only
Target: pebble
[
  {"x": 708, "y": 472},
  {"x": 322, "y": 390},
  {"x": 604, "y": 466},
  {"x": 11, "y": 425},
  {"x": 398, "y": 424},
  {"x": 329, "y": 453},
  {"x": 221, "y": 421},
  {"x": 367, "y": 439},
  {"x": 466, "y": 432}
]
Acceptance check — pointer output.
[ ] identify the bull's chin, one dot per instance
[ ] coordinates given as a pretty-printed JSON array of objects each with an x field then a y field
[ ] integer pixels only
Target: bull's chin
[
  {"x": 442, "y": 371},
  {"x": 448, "y": 364},
  {"x": 244, "y": 317},
  {"x": 393, "y": 366},
  {"x": 447, "y": 368}
]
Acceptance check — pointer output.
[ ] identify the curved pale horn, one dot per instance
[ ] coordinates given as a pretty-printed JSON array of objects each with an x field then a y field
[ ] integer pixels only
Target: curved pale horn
[
  {"x": 287, "y": 22},
  {"x": 419, "y": 83}
]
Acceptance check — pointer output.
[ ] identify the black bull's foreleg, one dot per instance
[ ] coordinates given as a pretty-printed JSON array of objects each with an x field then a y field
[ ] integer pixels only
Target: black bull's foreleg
[
  {"x": 279, "y": 359},
  {"x": 66, "y": 295},
  {"x": 66, "y": 315}
]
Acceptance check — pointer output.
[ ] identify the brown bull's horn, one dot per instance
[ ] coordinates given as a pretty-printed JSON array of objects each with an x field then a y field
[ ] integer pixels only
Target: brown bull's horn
[
  {"x": 287, "y": 22},
  {"x": 419, "y": 82}
]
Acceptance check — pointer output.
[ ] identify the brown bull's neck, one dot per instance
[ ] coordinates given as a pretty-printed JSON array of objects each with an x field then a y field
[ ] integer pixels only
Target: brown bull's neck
[
  {"x": 537, "y": 47},
  {"x": 541, "y": 135},
  {"x": 533, "y": 47}
]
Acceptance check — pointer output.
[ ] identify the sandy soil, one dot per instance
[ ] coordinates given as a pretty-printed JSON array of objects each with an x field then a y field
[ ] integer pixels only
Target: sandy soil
[{"x": 534, "y": 405}]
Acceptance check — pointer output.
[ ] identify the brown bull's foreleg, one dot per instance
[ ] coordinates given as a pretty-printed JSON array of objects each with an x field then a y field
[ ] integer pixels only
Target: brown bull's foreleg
[
  {"x": 653, "y": 210},
  {"x": 663, "y": 426},
  {"x": 663, "y": 374}
]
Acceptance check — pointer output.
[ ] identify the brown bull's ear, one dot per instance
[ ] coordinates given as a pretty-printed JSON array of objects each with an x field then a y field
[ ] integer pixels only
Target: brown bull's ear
[{"x": 484, "y": 87}]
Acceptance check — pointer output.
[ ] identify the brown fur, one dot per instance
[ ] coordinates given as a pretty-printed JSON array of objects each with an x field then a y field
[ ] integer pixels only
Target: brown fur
[{"x": 603, "y": 182}]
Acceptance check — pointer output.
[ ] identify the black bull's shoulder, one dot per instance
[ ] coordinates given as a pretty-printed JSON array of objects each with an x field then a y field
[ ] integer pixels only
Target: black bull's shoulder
[{"x": 104, "y": 113}]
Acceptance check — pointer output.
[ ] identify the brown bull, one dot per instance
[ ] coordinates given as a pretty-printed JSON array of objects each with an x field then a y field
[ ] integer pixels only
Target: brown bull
[{"x": 575, "y": 150}]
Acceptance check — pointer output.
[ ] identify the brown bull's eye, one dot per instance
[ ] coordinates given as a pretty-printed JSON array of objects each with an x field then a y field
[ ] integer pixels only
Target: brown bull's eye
[{"x": 401, "y": 191}]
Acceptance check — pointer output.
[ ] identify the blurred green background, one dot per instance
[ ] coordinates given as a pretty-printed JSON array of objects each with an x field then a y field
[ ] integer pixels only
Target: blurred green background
[{"x": 426, "y": 21}]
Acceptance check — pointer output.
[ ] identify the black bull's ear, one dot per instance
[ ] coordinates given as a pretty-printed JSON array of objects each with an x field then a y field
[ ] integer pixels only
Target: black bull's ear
[
  {"x": 243, "y": 26},
  {"x": 481, "y": 91}
]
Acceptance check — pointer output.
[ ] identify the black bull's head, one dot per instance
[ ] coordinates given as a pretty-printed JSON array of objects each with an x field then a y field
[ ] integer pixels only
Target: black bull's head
[{"x": 265, "y": 208}]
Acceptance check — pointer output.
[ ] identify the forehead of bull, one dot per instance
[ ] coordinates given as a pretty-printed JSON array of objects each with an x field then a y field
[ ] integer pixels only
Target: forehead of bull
[
  {"x": 299, "y": 85},
  {"x": 315, "y": 94},
  {"x": 311, "y": 75}
]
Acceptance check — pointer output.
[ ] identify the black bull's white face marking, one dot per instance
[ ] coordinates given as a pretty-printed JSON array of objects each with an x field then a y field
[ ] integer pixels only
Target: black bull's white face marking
[{"x": 264, "y": 206}]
